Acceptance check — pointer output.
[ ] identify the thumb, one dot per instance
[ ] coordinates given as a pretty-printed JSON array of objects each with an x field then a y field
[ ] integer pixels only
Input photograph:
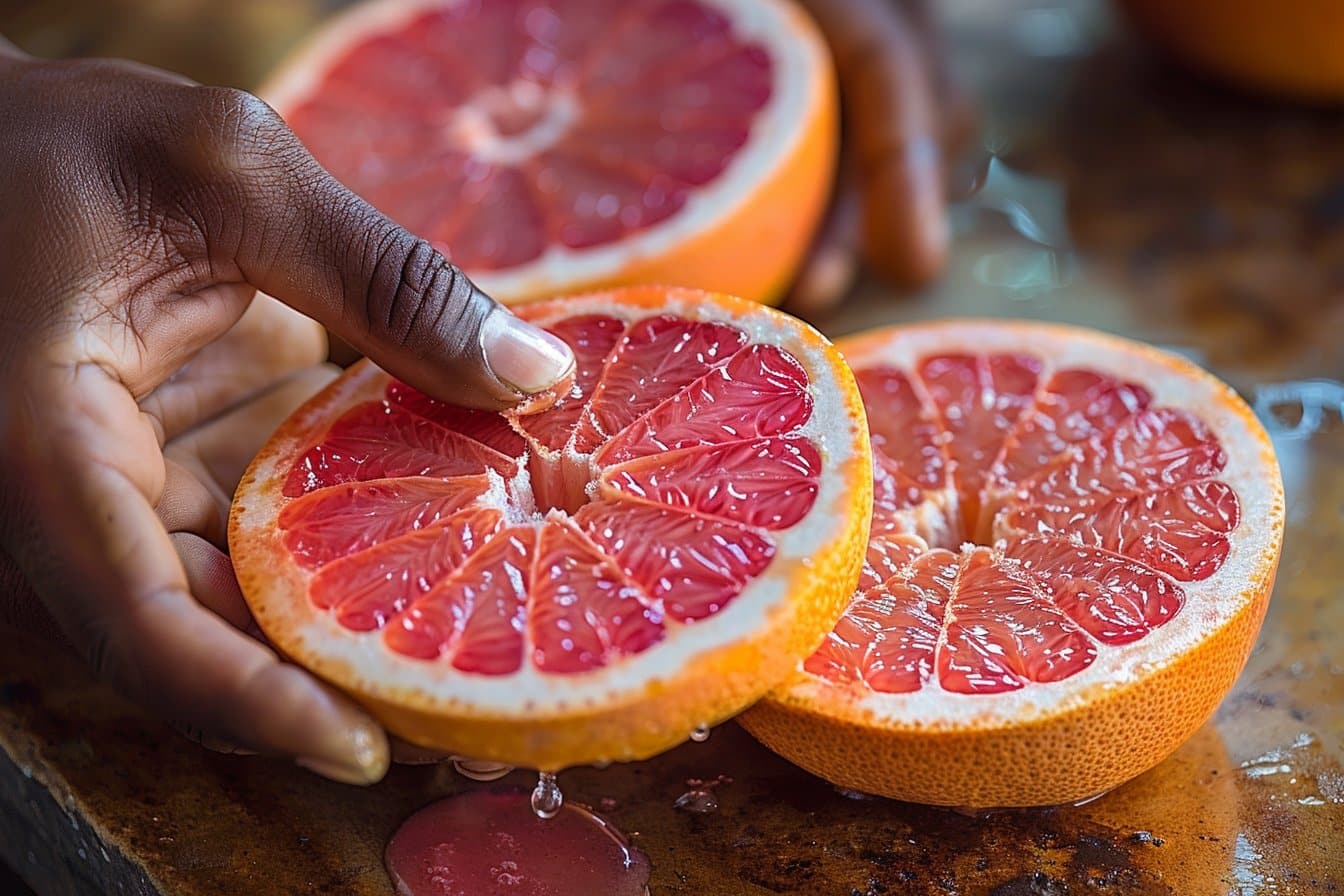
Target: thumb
[{"x": 310, "y": 242}]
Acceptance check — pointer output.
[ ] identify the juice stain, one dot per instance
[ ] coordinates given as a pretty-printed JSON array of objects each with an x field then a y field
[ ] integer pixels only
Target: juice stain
[{"x": 491, "y": 843}]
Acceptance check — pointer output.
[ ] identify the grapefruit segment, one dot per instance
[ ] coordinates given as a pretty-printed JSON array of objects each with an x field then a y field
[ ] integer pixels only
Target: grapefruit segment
[
  {"x": 904, "y": 428},
  {"x": 694, "y": 565},
  {"x": 489, "y": 429},
  {"x": 1153, "y": 449},
  {"x": 588, "y": 142},
  {"x": 888, "y": 635},
  {"x": 1115, "y": 524},
  {"x": 490, "y": 597},
  {"x": 345, "y": 519},
  {"x": 1180, "y": 531},
  {"x": 978, "y": 400},
  {"x": 367, "y": 589},
  {"x": 377, "y": 440},
  {"x": 474, "y": 614},
  {"x": 592, "y": 338},
  {"x": 888, "y": 555},
  {"x": 1002, "y": 632},
  {"x": 590, "y": 201},
  {"x": 657, "y": 358},
  {"x": 507, "y": 226},
  {"x": 761, "y": 391},
  {"x": 587, "y": 614},
  {"x": 501, "y": 587},
  {"x": 1074, "y": 405},
  {"x": 912, "y": 485},
  {"x": 766, "y": 483},
  {"x": 1115, "y": 600}
]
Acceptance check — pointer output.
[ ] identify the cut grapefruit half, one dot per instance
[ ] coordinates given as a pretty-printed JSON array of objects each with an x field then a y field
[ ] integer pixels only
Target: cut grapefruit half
[
  {"x": 554, "y": 147},
  {"x": 588, "y": 583},
  {"x": 1073, "y": 544}
]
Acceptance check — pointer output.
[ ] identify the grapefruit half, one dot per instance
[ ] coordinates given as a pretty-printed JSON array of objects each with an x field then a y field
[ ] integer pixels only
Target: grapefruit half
[
  {"x": 588, "y": 583},
  {"x": 1073, "y": 544},
  {"x": 554, "y": 147}
]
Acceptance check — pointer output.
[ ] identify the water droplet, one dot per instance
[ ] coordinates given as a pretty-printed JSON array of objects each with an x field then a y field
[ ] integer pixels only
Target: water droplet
[
  {"x": 854, "y": 794},
  {"x": 699, "y": 797},
  {"x": 699, "y": 802},
  {"x": 546, "y": 796},
  {"x": 700, "y": 734},
  {"x": 479, "y": 770}
]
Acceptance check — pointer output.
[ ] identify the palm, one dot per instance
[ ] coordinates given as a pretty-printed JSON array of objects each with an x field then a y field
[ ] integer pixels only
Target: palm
[
  {"x": 211, "y": 417},
  {"x": 166, "y": 484}
]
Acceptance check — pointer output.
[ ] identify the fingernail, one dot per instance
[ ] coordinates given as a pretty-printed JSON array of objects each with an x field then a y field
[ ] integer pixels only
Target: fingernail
[
  {"x": 361, "y": 759},
  {"x": 525, "y": 358}
]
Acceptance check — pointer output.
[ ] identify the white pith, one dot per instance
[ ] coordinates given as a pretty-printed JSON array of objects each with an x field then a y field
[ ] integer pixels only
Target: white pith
[
  {"x": 530, "y": 693},
  {"x": 797, "y": 53},
  {"x": 1210, "y": 604},
  {"x": 473, "y": 129}
]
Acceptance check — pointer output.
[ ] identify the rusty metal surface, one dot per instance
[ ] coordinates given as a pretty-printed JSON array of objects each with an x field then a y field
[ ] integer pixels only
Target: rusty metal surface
[{"x": 1122, "y": 195}]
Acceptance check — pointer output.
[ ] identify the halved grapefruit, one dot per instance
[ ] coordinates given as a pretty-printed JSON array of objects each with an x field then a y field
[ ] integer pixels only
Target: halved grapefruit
[
  {"x": 1073, "y": 544},
  {"x": 588, "y": 583},
  {"x": 554, "y": 147}
]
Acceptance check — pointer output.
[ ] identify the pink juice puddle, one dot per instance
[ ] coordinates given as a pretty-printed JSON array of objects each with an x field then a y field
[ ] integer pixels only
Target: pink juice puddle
[{"x": 491, "y": 843}]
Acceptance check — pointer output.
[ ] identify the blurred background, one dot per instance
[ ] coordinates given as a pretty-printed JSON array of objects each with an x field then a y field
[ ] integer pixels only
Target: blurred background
[{"x": 1124, "y": 183}]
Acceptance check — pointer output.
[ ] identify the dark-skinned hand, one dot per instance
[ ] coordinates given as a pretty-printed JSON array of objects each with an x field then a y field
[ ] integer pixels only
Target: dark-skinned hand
[{"x": 140, "y": 369}]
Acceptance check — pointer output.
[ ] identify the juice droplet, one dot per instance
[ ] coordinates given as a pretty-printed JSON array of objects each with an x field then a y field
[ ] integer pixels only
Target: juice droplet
[
  {"x": 490, "y": 841},
  {"x": 700, "y": 734},
  {"x": 478, "y": 770},
  {"x": 546, "y": 796},
  {"x": 696, "y": 801},
  {"x": 700, "y": 798}
]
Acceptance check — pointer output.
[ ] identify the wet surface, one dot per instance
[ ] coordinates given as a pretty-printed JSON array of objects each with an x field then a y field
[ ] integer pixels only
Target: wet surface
[
  {"x": 492, "y": 843},
  {"x": 1119, "y": 193}
]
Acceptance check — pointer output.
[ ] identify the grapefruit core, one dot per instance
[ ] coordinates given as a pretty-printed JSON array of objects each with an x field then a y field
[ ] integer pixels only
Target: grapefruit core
[
  {"x": 1074, "y": 540},
  {"x": 588, "y": 583},
  {"x": 549, "y": 148}
]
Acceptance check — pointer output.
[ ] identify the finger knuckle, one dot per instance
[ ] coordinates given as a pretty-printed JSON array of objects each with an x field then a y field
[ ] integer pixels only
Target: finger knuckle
[
  {"x": 247, "y": 132},
  {"x": 417, "y": 298}
]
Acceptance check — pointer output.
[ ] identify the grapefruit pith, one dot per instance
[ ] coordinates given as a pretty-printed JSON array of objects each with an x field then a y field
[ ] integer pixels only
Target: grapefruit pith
[
  {"x": 549, "y": 148},
  {"x": 1073, "y": 544},
  {"x": 587, "y": 583}
]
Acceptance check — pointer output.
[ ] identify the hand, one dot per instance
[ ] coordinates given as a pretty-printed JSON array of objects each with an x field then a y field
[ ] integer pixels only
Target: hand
[
  {"x": 903, "y": 117},
  {"x": 138, "y": 373}
]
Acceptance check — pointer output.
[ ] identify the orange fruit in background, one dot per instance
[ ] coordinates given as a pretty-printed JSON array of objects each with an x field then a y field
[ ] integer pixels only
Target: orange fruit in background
[
  {"x": 549, "y": 148},
  {"x": 1073, "y": 543},
  {"x": 1294, "y": 48},
  {"x": 588, "y": 583}
]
